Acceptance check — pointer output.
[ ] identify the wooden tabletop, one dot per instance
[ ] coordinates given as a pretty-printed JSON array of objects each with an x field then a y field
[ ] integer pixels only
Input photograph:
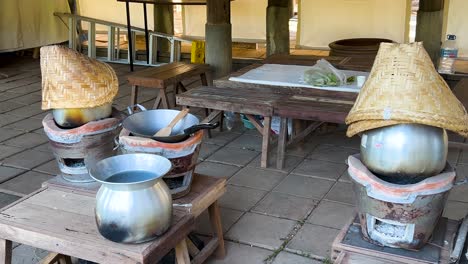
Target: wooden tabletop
[
  {"x": 204, "y": 191},
  {"x": 63, "y": 221},
  {"x": 166, "y": 74},
  {"x": 224, "y": 82},
  {"x": 247, "y": 100},
  {"x": 344, "y": 63}
]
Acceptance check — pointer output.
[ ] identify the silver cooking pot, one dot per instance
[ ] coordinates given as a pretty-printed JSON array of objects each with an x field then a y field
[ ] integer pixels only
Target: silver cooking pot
[
  {"x": 133, "y": 204},
  {"x": 405, "y": 150},
  {"x": 75, "y": 117}
]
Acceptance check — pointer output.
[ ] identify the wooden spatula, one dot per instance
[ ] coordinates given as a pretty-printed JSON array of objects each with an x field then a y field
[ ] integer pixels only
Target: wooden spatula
[{"x": 166, "y": 131}]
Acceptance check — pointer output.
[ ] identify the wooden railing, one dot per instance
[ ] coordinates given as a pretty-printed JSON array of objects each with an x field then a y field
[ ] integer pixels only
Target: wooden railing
[{"x": 113, "y": 47}]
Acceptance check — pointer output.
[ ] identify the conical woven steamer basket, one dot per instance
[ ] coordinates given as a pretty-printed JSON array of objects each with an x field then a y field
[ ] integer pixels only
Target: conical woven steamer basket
[
  {"x": 73, "y": 80},
  {"x": 404, "y": 87}
]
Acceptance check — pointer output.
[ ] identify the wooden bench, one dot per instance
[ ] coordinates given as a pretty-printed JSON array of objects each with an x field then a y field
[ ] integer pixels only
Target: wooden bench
[
  {"x": 204, "y": 194},
  {"x": 248, "y": 101},
  {"x": 164, "y": 76}
]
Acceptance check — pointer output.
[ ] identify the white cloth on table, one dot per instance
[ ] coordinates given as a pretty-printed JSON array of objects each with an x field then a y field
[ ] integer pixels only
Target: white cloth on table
[{"x": 291, "y": 76}]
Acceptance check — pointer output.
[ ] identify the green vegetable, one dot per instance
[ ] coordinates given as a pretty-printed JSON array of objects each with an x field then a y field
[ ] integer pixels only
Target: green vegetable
[
  {"x": 350, "y": 79},
  {"x": 317, "y": 78}
]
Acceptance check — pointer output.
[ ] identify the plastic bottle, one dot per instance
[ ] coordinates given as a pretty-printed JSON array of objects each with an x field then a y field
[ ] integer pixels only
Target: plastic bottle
[
  {"x": 448, "y": 55},
  {"x": 229, "y": 119}
]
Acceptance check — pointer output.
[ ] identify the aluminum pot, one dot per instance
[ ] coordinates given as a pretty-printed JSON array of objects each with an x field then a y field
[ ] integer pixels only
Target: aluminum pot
[
  {"x": 133, "y": 204},
  {"x": 405, "y": 150},
  {"x": 75, "y": 117}
]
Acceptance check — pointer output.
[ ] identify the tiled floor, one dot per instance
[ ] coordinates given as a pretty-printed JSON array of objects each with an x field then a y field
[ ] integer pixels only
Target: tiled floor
[{"x": 280, "y": 217}]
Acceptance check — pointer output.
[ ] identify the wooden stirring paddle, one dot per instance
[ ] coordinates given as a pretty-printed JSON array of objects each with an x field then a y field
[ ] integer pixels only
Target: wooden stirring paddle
[{"x": 166, "y": 131}]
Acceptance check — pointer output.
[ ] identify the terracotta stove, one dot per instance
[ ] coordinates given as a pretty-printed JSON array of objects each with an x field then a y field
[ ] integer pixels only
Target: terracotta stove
[
  {"x": 75, "y": 147},
  {"x": 398, "y": 215},
  {"x": 183, "y": 155}
]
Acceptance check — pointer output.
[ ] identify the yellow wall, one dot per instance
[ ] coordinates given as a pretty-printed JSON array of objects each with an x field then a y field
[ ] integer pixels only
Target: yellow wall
[
  {"x": 113, "y": 11},
  {"x": 457, "y": 23},
  {"x": 324, "y": 21},
  {"x": 248, "y": 19}
]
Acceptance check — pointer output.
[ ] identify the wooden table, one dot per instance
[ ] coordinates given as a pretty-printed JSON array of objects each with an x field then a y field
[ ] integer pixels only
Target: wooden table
[
  {"x": 63, "y": 221},
  {"x": 268, "y": 100},
  {"x": 204, "y": 194}
]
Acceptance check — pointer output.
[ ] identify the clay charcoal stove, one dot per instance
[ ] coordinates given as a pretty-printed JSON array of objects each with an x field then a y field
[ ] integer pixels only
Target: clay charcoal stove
[
  {"x": 183, "y": 156},
  {"x": 73, "y": 148},
  {"x": 398, "y": 215}
]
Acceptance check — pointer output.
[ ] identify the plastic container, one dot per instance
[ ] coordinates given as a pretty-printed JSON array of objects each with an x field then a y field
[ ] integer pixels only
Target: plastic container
[
  {"x": 448, "y": 55},
  {"x": 246, "y": 122}
]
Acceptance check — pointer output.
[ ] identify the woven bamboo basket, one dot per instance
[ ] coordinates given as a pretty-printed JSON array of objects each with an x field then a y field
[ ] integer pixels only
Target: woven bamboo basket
[
  {"x": 73, "y": 80},
  {"x": 404, "y": 87}
]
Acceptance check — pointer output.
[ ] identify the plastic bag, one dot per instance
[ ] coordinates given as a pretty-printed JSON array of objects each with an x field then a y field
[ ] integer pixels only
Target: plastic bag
[{"x": 324, "y": 74}]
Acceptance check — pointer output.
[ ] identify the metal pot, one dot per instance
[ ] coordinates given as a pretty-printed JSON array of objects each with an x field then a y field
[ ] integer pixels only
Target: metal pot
[
  {"x": 405, "y": 150},
  {"x": 75, "y": 117},
  {"x": 133, "y": 204},
  {"x": 147, "y": 122}
]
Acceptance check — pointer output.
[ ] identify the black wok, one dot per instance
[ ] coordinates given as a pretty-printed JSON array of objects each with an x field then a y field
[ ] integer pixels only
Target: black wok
[{"x": 147, "y": 122}]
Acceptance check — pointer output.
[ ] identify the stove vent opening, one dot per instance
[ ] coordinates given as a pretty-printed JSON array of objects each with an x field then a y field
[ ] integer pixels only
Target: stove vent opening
[
  {"x": 388, "y": 231},
  {"x": 73, "y": 163},
  {"x": 174, "y": 183}
]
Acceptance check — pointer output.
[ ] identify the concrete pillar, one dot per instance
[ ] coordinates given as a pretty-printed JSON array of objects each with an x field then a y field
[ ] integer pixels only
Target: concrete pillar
[
  {"x": 164, "y": 23},
  {"x": 277, "y": 26},
  {"x": 218, "y": 47},
  {"x": 429, "y": 26}
]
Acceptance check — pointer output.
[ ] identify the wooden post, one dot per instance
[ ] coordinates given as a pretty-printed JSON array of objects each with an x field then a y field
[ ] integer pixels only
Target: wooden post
[
  {"x": 429, "y": 26},
  {"x": 277, "y": 27},
  {"x": 218, "y": 37},
  {"x": 164, "y": 23},
  {"x": 5, "y": 251}
]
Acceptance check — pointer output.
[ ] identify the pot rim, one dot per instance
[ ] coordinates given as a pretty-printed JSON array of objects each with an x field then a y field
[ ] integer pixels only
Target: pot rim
[
  {"x": 133, "y": 116},
  {"x": 164, "y": 163}
]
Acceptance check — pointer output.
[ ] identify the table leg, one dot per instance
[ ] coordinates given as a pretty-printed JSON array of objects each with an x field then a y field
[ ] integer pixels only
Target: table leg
[
  {"x": 165, "y": 102},
  {"x": 282, "y": 138},
  {"x": 192, "y": 249},
  {"x": 157, "y": 101},
  {"x": 134, "y": 95},
  {"x": 215, "y": 219},
  {"x": 181, "y": 251},
  {"x": 5, "y": 251},
  {"x": 146, "y": 34},
  {"x": 266, "y": 141},
  {"x": 204, "y": 80},
  {"x": 65, "y": 260},
  {"x": 129, "y": 30}
]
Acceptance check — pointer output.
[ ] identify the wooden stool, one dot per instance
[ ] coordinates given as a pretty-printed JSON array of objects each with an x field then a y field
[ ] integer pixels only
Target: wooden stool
[
  {"x": 203, "y": 196},
  {"x": 62, "y": 221},
  {"x": 163, "y": 76}
]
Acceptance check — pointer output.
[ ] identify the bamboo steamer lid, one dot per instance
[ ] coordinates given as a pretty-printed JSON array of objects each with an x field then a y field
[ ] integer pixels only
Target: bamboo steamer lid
[
  {"x": 73, "y": 80},
  {"x": 404, "y": 87}
]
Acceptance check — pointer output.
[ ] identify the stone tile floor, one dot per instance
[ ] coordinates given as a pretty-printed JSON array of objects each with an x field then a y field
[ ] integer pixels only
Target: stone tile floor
[{"x": 273, "y": 216}]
